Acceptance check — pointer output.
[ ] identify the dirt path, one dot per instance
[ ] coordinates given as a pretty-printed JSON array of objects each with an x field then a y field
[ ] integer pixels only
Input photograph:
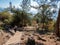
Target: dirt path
[
  {"x": 21, "y": 37},
  {"x": 14, "y": 39}
]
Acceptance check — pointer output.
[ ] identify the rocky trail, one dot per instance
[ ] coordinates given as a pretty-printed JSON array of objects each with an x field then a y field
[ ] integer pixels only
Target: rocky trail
[
  {"x": 25, "y": 38},
  {"x": 14, "y": 39}
]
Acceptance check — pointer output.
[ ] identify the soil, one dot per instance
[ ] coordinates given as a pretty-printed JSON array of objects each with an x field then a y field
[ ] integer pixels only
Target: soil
[{"x": 26, "y": 38}]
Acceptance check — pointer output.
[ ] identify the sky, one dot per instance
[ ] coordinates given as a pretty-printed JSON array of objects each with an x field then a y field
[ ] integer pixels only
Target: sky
[
  {"x": 5, "y": 3},
  {"x": 16, "y": 3}
]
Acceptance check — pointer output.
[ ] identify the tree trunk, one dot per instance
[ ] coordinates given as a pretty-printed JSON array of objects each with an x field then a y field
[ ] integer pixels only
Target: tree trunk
[{"x": 58, "y": 25}]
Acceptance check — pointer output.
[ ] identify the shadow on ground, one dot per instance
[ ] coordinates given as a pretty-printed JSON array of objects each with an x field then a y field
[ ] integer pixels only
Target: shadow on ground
[
  {"x": 42, "y": 31},
  {"x": 8, "y": 31}
]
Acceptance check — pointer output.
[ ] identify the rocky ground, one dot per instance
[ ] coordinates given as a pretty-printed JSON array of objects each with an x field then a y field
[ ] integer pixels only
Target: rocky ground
[
  {"x": 4, "y": 36},
  {"x": 28, "y": 38}
]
